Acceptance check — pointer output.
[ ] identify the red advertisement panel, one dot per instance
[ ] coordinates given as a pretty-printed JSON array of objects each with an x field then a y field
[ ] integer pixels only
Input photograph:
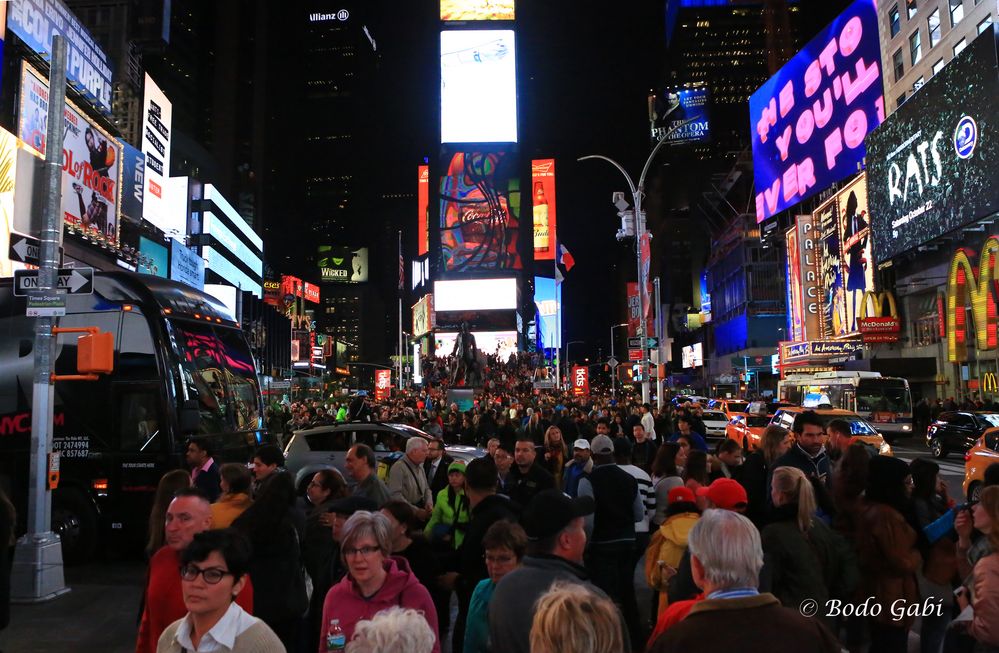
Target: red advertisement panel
[
  {"x": 383, "y": 384},
  {"x": 423, "y": 206},
  {"x": 543, "y": 201},
  {"x": 580, "y": 381},
  {"x": 633, "y": 312},
  {"x": 297, "y": 288}
]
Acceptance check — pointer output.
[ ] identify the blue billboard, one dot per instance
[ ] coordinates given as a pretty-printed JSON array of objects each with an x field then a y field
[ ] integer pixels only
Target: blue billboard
[
  {"x": 682, "y": 116},
  {"x": 133, "y": 169},
  {"x": 808, "y": 122},
  {"x": 549, "y": 308}
]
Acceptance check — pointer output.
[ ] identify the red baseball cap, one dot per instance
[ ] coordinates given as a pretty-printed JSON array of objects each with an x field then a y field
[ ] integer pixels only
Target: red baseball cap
[
  {"x": 726, "y": 494},
  {"x": 680, "y": 494}
]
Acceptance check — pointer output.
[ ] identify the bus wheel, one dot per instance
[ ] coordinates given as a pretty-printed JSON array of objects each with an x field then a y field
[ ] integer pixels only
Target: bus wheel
[{"x": 73, "y": 518}]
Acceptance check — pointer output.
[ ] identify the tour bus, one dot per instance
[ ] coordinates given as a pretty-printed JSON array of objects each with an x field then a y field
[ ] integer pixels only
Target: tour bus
[
  {"x": 182, "y": 368},
  {"x": 883, "y": 401}
]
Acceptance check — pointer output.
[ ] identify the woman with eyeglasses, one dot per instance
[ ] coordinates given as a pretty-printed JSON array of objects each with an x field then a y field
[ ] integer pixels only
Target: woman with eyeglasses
[
  {"x": 212, "y": 573},
  {"x": 505, "y": 544},
  {"x": 375, "y": 579}
]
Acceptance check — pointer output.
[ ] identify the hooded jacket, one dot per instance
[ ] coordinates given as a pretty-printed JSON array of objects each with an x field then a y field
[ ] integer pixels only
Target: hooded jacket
[
  {"x": 672, "y": 542},
  {"x": 401, "y": 588}
]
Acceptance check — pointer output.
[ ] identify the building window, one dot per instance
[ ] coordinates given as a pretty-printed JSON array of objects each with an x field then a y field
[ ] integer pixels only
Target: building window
[
  {"x": 916, "y": 85},
  {"x": 933, "y": 26},
  {"x": 938, "y": 66},
  {"x": 893, "y": 20},
  {"x": 910, "y": 8},
  {"x": 985, "y": 24},
  {"x": 915, "y": 48},
  {"x": 900, "y": 100},
  {"x": 897, "y": 64},
  {"x": 956, "y": 12},
  {"x": 959, "y": 46}
]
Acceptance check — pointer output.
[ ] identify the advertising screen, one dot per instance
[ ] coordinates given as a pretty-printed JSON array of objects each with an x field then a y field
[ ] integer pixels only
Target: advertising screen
[
  {"x": 478, "y": 86},
  {"x": 681, "y": 116},
  {"x": 423, "y": 316},
  {"x": 547, "y": 302},
  {"x": 795, "y": 312},
  {"x": 152, "y": 258},
  {"x": 88, "y": 68},
  {"x": 157, "y": 115},
  {"x": 91, "y": 174},
  {"x": 633, "y": 312},
  {"x": 480, "y": 212},
  {"x": 227, "y": 241},
  {"x": 186, "y": 265},
  {"x": 477, "y": 10},
  {"x": 832, "y": 296},
  {"x": 543, "y": 203},
  {"x": 693, "y": 355},
  {"x": 475, "y": 294},
  {"x": 423, "y": 206},
  {"x": 133, "y": 186},
  {"x": 502, "y": 343},
  {"x": 8, "y": 179},
  {"x": 855, "y": 244},
  {"x": 932, "y": 164},
  {"x": 342, "y": 264},
  {"x": 808, "y": 122},
  {"x": 809, "y": 275}
]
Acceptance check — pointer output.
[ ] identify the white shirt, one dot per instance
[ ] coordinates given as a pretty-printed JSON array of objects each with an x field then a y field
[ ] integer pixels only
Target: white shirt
[
  {"x": 222, "y": 636},
  {"x": 649, "y": 424}
]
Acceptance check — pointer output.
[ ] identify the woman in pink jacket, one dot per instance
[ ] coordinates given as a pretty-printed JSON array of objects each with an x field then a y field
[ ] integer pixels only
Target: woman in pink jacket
[{"x": 375, "y": 580}]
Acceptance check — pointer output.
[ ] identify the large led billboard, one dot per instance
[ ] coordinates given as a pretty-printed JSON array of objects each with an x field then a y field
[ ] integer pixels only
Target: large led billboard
[
  {"x": 91, "y": 171},
  {"x": 475, "y": 294},
  {"x": 477, "y": 10},
  {"x": 423, "y": 210},
  {"x": 157, "y": 116},
  {"x": 681, "y": 116},
  {"x": 480, "y": 210},
  {"x": 501, "y": 343},
  {"x": 342, "y": 264},
  {"x": 808, "y": 122},
  {"x": 932, "y": 164},
  {"x": 478, "y": 86},
  {"x": 546, "y": 300},
  {"x": 543, "y": 203}
]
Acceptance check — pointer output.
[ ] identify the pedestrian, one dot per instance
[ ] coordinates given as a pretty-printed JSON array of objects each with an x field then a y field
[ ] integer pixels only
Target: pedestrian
[
  {"x": 579, "y": 467},
  {"x": 667, "y": 470},
  {"x": 622, "y": 456},
  {"x": 684, "y": 426},
  {"x": 375, "y": 581},
  {"x": 726, "y": 557},
  {"x": 644, "y": 449},
  {"x": 556, "y": 453},
  {"x": 362, "y": 466},
  {"x": 887, "y": 553},
  {"x": 849, "y": 474},
  {"x": 213, "y": 572},
  {"x": 503, "y": 460},
  {"x": 393, "y": 630},
  {"x": 267, "y": 459},
  {"x": 696, "y": 472},
  {"x": 728, "y": 459},
  {"x": 408, "y": 480},
  {"x": 446, "y": 528},
  {"x": 572, "y": 618},
  {"x": 505, "y": 544},
  {"x": 204, "y": 469},
  {"x": 669, "y": 544},
  {"x": 436, "y": 466},
  {"x": 235, "y": 481},
  {"x": 649, "y": 423},
  {"x": 188, "y": 514},
  {"x": 984, "y": 595},
  {"x": 280, "y": 596},
  {"x": 318, "y": 546},
  {"x": 527, "y": 477},
  {"x": 170, "y": 483},
  {"x": 808, "y": 452}
]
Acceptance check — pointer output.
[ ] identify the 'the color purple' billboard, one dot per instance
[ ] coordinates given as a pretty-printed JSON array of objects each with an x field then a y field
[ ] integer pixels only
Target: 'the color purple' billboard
[{"x": 808, "y": 122}]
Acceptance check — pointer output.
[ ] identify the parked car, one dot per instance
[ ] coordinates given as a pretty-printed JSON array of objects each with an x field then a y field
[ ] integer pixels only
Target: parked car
[
  {"x": 859, "y": 427},
  {"x": 977, "y": 460},
  {"x": 715, "y": 422},
  {"x": 958, "y": 431},
  {"x": 729, "y": 406},
  {"x": 310, "y": 450},
  {"x": 747, "y": 429},
  {"x": 680, "y": 400}
]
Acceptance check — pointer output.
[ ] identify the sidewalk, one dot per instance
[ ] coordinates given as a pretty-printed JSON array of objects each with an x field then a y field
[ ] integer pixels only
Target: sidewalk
[{"x": 97, "y": 615}]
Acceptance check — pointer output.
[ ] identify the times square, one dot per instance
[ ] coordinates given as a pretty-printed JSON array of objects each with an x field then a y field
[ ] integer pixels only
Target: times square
[{"x": 488, "y": 326}]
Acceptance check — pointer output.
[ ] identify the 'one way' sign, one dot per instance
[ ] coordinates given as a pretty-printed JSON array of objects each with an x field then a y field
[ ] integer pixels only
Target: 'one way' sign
[{"x": 75, "y": 281}]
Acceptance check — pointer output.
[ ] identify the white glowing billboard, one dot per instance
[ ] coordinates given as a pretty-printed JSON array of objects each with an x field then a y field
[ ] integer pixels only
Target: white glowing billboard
[
  {"x": 475, "y": 295},
  {"x": 478, "y": 86},
  {"x": 502, "y": 343}
]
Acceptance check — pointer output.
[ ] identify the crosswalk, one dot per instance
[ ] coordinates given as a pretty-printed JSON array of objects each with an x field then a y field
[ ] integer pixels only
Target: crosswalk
[{"x": 952, "y": 465}]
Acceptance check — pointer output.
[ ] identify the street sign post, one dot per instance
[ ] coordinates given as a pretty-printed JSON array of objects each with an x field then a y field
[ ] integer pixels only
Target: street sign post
[
  {"x": 650, "y": 343},
  {"x": 75, "y": 281},
  {"x": 612, "y": 362},
  {"x": 46, "y": 303}
]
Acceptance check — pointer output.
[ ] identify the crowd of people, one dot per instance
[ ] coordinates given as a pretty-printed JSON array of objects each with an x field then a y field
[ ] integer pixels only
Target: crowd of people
[{"x": 810, "y": 542}]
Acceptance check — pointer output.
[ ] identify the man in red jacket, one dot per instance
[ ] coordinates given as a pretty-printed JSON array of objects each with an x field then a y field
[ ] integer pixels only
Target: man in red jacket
[{"x": 189, "y": 513}]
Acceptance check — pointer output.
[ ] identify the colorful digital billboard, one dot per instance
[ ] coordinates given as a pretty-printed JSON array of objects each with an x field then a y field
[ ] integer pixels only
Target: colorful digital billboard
[
  {"x": 795, "y": 312},
  {"x": 475, "y": 294},
  {"x": 480, "y": 212},
  {"x": 681, "y": 116},
  {"x": 455, "y": 10},
  {"x": 547, "y": 302},
  {"x": 91, "y": 176},
  {"x": 478, "y": 86},
  {"x": 832, "y": 297},
  {"x": 932, "y": 164},
  {"x": 342, "y": 264},
  {"x": 133, "y": 187},
  {"x": 501, "y": 343},
  {"x": 543, "y": 203},
  {"x": 153, "y": 258},
  {"x": 423, "y": 208},
  {"x": 808, "y": 237},
  {"x": 855, "y": 242},
  {"x": 808, "y": 122}
]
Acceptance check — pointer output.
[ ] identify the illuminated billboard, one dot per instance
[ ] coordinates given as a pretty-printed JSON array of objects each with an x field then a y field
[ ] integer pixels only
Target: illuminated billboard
[
  {"x": 693, "y": 355},
  {"x": 480, "y": 208},
  {"x": 152, "y": 258},
  {"x": 543, "y": 203},
  {"x": 502, "y": 343},
  {"x": 157, "y": 117},
  {"x": 423, "y": 208},
  {"x": 808, "y": 277},
  {"x": 423, "y": 316},
  {"x": 342, "y": 264},
  {"x": 855, "y": 244},
  {"x": 681, "y": 116},
  {"x": 186, "y": 266},
  {"x": 832, "y": 301},
  {"x": 8, "y": 180},
  {"x": 932, "y": 164},
  {"x": 549, "y": 308},
  {"x": 477, "y": 10},
  {"x": 475, "y": 294},
  {"x": 795, "y": 312},
  {"x": 478, "y": 86},
  {"x": 808, "y": 122},
  {"x": 91, "y": 171}
]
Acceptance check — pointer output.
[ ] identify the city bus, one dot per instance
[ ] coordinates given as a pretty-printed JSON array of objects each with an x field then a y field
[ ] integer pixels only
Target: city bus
[
  {"x": 883, "y": 401},
  {"x": 182, "y": 368}
]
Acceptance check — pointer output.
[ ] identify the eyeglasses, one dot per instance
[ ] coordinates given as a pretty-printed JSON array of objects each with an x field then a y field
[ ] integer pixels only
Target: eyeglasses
[
  {"x": 212, "y": 575},
  {"x": 498, "y": 560},
  {"x": 363, "y": 551}
]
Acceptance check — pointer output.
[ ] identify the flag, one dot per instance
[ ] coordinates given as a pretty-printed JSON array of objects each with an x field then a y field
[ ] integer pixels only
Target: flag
[
  {"x": 565, "y": 258},
  {"x": 558, "y": 276}
]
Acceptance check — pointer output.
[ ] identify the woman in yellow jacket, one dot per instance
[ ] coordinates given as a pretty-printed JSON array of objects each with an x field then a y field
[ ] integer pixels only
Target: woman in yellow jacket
[
  {"x": 235, "y": 498},
  {"x": 669, "y": 543}
]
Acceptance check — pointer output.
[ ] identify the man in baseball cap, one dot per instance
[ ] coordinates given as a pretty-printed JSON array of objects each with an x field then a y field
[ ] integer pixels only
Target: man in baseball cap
[
  {"x": 725, "y": 493},
  {"x": 578, "y": 468}
]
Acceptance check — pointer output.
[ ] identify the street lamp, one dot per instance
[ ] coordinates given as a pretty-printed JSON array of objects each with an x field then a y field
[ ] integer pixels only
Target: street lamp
[
  {"x": 573, "y": 342},
  {"x": 614, "y": 369}
]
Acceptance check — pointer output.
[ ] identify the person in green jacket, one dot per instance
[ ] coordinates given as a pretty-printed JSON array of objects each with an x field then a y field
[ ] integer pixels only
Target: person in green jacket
[{"x": 450, "y": 515}]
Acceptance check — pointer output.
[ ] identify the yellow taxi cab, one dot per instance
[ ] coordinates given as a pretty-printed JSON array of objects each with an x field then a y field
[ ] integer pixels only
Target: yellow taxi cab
[
  {"x": 859, "y": 427},
  {"x": 730, "y": 407},
  {"x": 747, "y": 429},
  {"x": 979, "y": 457}
]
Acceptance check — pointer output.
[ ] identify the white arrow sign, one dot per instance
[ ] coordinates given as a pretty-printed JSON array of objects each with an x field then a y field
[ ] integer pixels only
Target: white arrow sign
[{"x": 78, "y": 281}]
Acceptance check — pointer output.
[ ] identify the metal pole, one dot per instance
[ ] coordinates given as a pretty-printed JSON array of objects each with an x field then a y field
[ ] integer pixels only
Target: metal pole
[
  {"x": 37, "y": 574},
  {"x": 661, "y": 336},
  {"x": 642, "y": 335},
  {"x": 614, "y": 369}
]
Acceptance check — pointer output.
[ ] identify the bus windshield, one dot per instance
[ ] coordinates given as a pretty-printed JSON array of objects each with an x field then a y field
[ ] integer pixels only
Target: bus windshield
[
  {"x": 875, "y": 395},
  {"x": 217, "y": 371}
]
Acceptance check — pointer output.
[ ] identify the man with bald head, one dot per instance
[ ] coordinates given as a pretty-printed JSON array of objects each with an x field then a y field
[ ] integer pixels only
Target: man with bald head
[{"x": 188, "y": 514}]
